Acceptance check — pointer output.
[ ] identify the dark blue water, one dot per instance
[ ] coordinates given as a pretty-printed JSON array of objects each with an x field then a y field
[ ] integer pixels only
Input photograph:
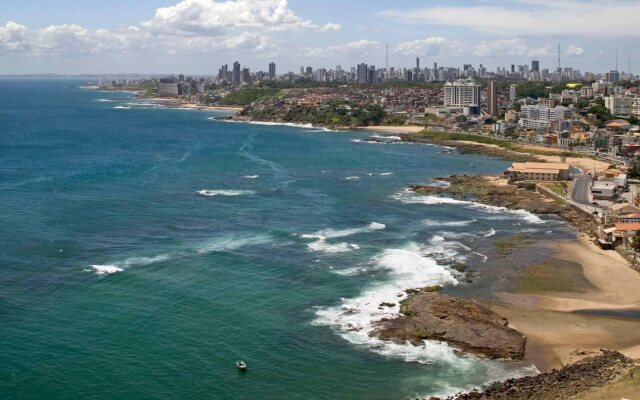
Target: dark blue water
[{"x": 118, "y": 281}]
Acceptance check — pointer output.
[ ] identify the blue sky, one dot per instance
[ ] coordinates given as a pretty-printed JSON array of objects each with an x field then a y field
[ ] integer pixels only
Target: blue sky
[{"x": 196, "y": 36}]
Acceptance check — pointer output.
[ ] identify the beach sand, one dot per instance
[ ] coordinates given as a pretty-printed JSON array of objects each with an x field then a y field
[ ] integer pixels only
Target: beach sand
[{"x": 577, "y": 276}]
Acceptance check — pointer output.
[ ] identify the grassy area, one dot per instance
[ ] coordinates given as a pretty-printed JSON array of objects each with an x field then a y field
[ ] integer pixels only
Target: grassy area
[
  {"x": 456, "y": 136},
  {"x": 559, "y": 188}
]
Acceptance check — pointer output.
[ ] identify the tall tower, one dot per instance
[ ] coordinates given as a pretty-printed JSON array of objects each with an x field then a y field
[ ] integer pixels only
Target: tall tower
[
  {"x": 386, "y": 65},
  {"x": 492, "y": 98},
  {"x": 559, "y": 57}
]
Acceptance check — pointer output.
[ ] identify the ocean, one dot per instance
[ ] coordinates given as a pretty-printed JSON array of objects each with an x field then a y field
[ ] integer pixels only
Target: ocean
[{"x": 146, "y": 249}]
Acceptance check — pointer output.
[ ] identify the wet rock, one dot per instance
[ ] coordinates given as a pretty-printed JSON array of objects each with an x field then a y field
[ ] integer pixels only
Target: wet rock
[{"x": 463, "y": 323}]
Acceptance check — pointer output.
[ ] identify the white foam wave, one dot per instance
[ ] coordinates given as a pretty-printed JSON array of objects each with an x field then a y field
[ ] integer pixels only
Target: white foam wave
[
  {"x": 338, "y": 233},
  {"x": 121, "y": 108},
  {"x": 321, "y": 245},
  {"x": 105, "y": 269},
  {"x": 233, "y": 242},
  {"x": 448, "y": 223},
  {"x": 251, "y": 176},
  {"x": 223, "y": 192},
  {"x": 129, "y": 262},
  {"x": 385, "y": 137},
  {"x": 490, "y": 233},
  {"x": 320, "y": 242},
  {"x": 409, "y": 197},
  {"x": 355, "y": 318},
  {"x": 104, "y": 100},
  {"x": 351, "y": 178}
]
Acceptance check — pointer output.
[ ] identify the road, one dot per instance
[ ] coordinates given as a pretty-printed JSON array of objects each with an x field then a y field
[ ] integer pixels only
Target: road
[{"x": 581, "y": 186}]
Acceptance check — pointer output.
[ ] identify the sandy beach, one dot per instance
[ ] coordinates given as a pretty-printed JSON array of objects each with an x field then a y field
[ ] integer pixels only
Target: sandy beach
[{"x": 577, "y": 276}]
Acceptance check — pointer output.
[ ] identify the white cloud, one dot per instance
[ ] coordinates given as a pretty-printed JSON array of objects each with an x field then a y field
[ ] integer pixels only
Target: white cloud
[
  {"x": 602, "y": 18},
  {"x": 574, "y": 51},
  {"x": 432, "y": 46},
  {"x": 12, "y": 37},
  {"x": 441, "y": 46},
  {"x": 213, "y": 18},
  {"x": 358, "y": 49},
  {"x": 508, "y": 47},
  {"x": 239, "y": 26}
]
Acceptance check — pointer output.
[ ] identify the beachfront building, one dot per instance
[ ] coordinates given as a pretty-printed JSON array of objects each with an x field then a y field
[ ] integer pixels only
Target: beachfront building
[
  {"x": 537, "y": 171},
  {"x": 167, "y": 89}
]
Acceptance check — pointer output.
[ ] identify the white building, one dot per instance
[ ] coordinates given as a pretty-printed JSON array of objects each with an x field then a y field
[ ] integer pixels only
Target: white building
[
  {"x": 604, "y": 190},
  {"x": 462, "y": 93},
  {"x": 619, "y": 104},
  {"x": 541, "y": 117},
  {"x": 635, "y": 107}
]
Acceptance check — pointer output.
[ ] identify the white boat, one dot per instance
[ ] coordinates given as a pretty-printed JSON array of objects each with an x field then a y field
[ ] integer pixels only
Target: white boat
[{"x": 242, "y": 366}]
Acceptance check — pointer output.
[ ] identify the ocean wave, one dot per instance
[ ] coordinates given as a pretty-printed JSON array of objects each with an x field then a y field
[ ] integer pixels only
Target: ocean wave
[
  {"x": 354, "y": 318},
  {"x": 321, "y": 245},
  {"x": 121, "y": 107},
  {"x": 105, "y": 269},
  {"x": 380, "y": 173},
  {"x": 251, "y": 176},
  {"x": 433, "y": 222},
  {"x": 408, "y": 197},
  {"x": 338, "y": 233},
  {"x": 389, "y": 137},
  {"x": 233, "y": 242},
  {"x": 320, "y": 242},
  {"x": 351, "y": 178},
  {"x": 224, "y": 192},
  {"x": 490, "y": 233},
  {"x": 120, "y": 266},
  {"x": 104, "y": 100}
]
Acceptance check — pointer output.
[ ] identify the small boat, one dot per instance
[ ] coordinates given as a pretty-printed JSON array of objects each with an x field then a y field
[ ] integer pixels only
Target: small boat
[{"x": 242, "y": 366}]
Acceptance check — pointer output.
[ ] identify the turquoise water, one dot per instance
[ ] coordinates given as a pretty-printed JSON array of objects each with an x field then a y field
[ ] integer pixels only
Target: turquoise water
[{"x": 117, "y": 280}]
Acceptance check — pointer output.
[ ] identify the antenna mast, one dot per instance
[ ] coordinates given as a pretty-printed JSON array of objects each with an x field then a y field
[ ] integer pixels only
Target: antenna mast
[
  {"x": 559, "y": 56},
  {"x": 387, "y": 62}
]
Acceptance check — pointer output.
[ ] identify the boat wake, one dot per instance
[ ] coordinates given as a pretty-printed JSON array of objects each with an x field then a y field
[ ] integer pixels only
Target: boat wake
[{"x": 224, "y": 192}]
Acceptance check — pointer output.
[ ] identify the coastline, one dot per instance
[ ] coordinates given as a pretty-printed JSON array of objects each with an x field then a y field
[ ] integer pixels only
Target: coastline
[{"x": 570, "y": 304}]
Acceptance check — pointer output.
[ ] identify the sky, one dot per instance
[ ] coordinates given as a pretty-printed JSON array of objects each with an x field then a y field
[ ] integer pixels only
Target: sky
[{"x": 197, "y": 36}]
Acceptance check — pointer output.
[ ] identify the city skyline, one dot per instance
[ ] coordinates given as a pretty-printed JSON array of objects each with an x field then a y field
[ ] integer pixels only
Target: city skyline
[{"x": 197, "y": 36}]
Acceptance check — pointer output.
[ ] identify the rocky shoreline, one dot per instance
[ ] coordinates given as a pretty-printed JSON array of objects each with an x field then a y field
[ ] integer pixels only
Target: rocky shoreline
[
  {"x": 487, "y": 190},
  {"x": 463, "y": 323},
  {"x": 572, "y": 381},
  {"x": 470, "y": 148}
]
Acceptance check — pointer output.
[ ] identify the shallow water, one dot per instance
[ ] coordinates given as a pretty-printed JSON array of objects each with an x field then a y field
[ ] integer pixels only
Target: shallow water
[{"x": 146, "y": 249}]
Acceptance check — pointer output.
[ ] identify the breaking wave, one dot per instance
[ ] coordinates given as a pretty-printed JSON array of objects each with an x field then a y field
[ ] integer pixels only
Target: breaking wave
[{"x": 224, "y": 192}]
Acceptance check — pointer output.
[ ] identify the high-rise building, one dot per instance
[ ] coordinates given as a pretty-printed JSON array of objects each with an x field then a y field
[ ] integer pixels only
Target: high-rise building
[
  {"x": 236, "y": 72},
  {"x": 513, "y": 92},
  {"x": 246, "y": 75},
  {"x": 272, "y": 70},
  {"x": 492, "y": 98},
  {"x": 612, "y": 76},
  {"x": 371, "y": 75},
  {"x": 535, "y": 66},
  {"x": 462, "y": 93},
  {"x": 362, "y": 73},
  {"x": 417, "y": 63}
]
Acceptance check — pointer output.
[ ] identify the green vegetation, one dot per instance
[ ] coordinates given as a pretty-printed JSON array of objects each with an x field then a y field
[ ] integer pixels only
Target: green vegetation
[
  {"x": 634, "y": 172},
  {"x": 248, "y": 95},
  {"x": 598, "y": 108},
  {"x": 333, "y": 113},
  {"x": 559, "y": 188}
]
